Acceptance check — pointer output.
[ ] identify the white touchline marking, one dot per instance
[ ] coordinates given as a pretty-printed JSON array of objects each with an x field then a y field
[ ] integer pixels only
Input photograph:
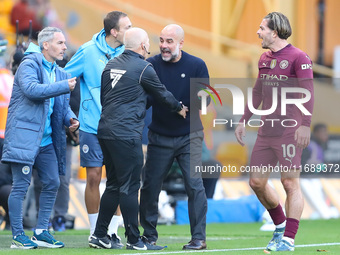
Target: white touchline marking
[
  {"x": 226, "y": 250},
  {"x": 211, "y": 238},
  {"x": 313, "y": 245}
]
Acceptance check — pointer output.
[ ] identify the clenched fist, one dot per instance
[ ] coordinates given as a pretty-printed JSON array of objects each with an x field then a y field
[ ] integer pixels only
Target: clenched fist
[{"x": 72, "y": 83}]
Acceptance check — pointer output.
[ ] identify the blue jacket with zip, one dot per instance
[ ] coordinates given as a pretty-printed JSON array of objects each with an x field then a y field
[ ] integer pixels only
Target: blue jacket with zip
[
  {"x": 88, "y": 64},
  {"x": 28, "y": 109}
]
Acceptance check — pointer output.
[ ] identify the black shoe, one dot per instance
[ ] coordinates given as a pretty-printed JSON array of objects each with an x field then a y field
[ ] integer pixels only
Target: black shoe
[
  {"x": 137, "y": 246},
  {"x": 8, "y": 225},
  {"x": 195, "y": 244},
  {"x": 69, "y": 221},
  {"x": 102, "y": 243},
  {"x": 151, "y": 245},
  {"x": 116, "y": 240},
  {"x": 58, "y": 223}
]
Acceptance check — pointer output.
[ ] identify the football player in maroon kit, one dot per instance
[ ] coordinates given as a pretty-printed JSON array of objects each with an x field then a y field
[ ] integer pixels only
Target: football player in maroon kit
[{"x": 285, "y": 79}]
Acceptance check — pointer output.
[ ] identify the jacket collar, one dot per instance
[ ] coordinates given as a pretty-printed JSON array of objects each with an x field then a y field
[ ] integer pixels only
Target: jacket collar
[
  {"x": 132, "y": 53},
  {"x": 48, "y": 65}
]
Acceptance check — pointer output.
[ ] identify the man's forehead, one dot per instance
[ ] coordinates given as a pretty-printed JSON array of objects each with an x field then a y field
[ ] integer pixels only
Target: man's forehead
[
  {"x": 124, "y": 21},
  {"x": 264, "y": 23},
  {"x": 168, "y": 35},
  {"x": 58, "y": 36}
]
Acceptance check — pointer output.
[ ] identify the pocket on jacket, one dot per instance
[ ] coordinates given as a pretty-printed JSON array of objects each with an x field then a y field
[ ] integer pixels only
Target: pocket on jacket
[
  {"x": 25, "y": 134},
  {"x": 28, "y": 125}
]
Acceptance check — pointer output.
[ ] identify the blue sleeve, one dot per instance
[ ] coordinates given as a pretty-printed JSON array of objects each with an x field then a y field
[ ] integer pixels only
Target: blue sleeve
[
  {"x": 30, "y": 84},
  {"x": 76, "y": 65},
  {"x": 69, "y": 115},
  {"x": 202, "y": 70}
]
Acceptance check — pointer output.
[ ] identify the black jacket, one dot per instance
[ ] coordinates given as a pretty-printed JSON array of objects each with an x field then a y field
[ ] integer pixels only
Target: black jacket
[{"x": 126, "y": 82}]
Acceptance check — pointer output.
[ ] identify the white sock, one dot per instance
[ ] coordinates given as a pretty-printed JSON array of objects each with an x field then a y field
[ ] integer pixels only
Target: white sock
[
  {"x": 39, "y": 231},
  {"x": 93, "y": 221},
  {"x": 282, "y": 225},
  {"x": 113, "y": 227},
  {"x": 288, "y": 239}
]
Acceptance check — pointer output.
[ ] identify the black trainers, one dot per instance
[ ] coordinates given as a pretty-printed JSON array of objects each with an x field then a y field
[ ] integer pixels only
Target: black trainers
[
  {"x": 151, "y": 245},
  {"x": 102, "y": 243},
  {"x": 137, "y": 246},
  {"x": 58, "y": 223},
  {"x": 195, "y": 244},
  {"x": 116, "y": 241}
]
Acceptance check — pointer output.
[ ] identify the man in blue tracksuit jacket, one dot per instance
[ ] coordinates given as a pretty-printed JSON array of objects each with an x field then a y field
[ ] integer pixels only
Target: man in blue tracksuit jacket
[
  {"x": 35, "y": 133},
  {"x": 88, "y": 64}
]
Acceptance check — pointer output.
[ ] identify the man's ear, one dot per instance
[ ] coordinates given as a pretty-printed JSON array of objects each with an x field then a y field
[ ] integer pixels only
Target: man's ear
[
  {"x": 275, "y": 33},
  {"x": 181, "y": 44},
  {"x": 113, "y": 32},
  {"x": 45, "y": 45}
]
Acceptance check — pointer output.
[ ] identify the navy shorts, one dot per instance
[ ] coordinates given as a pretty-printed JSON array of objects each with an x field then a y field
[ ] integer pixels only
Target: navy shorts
[{"x": 90, "y": 152}]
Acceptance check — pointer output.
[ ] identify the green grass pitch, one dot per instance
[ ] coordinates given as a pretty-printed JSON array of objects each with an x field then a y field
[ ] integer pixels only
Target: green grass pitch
[{"x": 314, "y": 237}]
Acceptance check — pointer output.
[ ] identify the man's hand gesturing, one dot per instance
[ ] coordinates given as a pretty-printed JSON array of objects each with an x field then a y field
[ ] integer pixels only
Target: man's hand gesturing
[{"x": 72, "y": 83}]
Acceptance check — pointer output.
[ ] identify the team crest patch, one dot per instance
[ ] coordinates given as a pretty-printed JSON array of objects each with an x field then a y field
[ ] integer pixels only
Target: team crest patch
[
  {"x": 25, "y": 170},
  {"x": 273, "y": 64},
  {"x": 284, "y": 64},
  {"x": 85, "y": 148}
]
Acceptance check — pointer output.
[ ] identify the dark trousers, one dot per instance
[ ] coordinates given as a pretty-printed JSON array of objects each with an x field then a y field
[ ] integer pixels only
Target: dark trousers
[
  {"x": 5, "y": 184},
  {"x": 210, "y": 179},
  {"x": 162, "y": 151},
  {"x": 123, "y": 160},
  {"x": 5, "y": 190}
]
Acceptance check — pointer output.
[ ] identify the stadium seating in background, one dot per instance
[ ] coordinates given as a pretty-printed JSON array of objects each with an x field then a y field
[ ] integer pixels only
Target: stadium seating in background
[
  {"x": 5, "y": 26},
  {"x": 234, "y": 155},
  {"x": 243, "y": 209}
]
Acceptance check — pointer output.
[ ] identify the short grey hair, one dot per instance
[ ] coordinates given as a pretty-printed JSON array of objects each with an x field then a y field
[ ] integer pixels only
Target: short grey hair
[{"x": 46, "y": 35}]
